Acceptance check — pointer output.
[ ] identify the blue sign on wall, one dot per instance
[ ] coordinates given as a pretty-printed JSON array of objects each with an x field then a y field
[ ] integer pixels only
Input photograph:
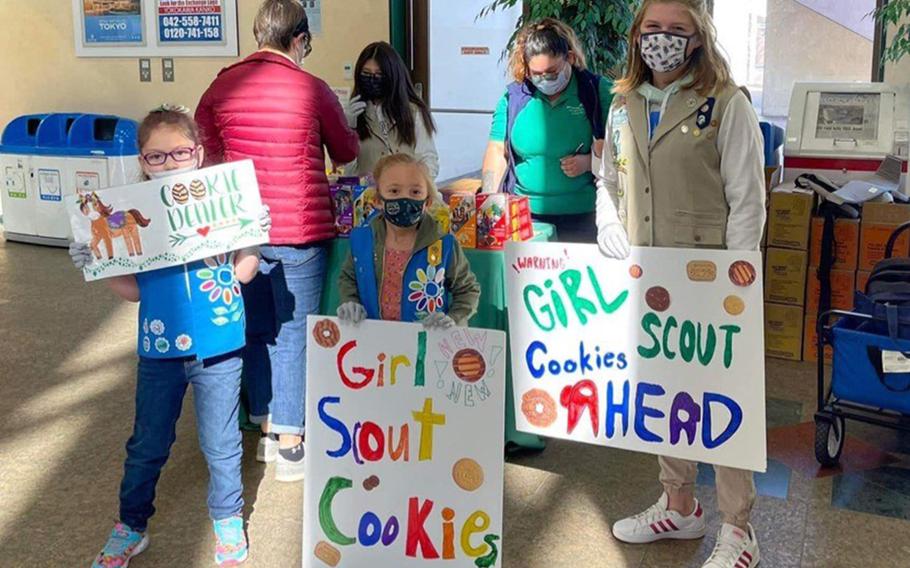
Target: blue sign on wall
[{"x": 113, "y": 28}]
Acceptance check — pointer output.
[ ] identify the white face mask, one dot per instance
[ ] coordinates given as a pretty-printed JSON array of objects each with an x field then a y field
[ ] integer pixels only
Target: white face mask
[
  {"x": 555, "y": 86},
  {"x": 664, "y": 52},
  {"x": 168, "y": 173}
]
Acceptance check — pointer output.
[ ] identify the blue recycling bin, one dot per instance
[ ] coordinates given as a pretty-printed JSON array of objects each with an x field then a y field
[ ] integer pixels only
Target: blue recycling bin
[
  {"x": 774, "y": 139},
  {"x": 44, "y": 158}
]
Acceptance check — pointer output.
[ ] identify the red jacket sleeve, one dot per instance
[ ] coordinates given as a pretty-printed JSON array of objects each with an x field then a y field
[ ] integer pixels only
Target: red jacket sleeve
[
  {"x": 210, "y": 137},
  {"x": 342, "y": 143}
]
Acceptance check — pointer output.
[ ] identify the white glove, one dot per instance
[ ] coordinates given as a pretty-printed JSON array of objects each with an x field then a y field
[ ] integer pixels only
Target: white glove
[
  {"x": 353, "y": 109},
  {"x": 80, "y": 254},
  {"x": 614, "y": 242},
  {"x": 438, "y": 320},
  {"x": 351, "y": 312},
  {"x": 265, "y": 219}
]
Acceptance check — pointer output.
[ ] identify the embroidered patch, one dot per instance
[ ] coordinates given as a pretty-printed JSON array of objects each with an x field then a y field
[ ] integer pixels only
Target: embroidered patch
[
  {"x": 145, "y": 327},
  {"x": 162, "y": 345},
  {"x": 157, "y": 327},
  {"x": 146, "y": 344},
  {"x": 183, "y": 342},
  {"x": 434, "y": 253},
  {"x": 620, "y": 117}
]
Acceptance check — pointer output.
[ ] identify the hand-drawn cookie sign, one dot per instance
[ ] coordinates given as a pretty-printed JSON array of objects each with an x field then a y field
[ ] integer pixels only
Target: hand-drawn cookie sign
[
  {"x": 176, "y": 220},
  {"x": 661, "y": 353},
  {"x": 404, "y": 446}
]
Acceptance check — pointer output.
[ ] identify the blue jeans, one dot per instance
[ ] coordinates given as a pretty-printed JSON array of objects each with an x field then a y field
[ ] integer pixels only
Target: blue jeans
[
  {"x": 160, "y": 387},
  {"x": 287, "y": 290}
]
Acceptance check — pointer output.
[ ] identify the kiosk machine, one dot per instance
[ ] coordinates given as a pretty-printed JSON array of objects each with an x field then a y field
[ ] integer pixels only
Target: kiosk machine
[{"x": 843, "y": 131}]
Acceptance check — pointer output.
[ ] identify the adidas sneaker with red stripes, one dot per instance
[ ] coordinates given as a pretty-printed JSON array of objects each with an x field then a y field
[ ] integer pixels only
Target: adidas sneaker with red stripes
[
  {"x": 734, "y": 549},
  {"x": 659, "y": 523}
]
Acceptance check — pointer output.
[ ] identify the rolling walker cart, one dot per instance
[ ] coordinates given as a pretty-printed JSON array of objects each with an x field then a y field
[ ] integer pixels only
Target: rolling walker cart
[{"x": 870, "y": 371}]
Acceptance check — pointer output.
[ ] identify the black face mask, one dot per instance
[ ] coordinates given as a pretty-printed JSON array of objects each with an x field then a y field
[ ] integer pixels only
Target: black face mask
[{"x": 371, "y": 87}]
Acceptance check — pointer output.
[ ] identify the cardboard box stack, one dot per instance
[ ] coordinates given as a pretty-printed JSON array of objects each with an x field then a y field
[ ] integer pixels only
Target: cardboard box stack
[{"x": 787, "y": 259}]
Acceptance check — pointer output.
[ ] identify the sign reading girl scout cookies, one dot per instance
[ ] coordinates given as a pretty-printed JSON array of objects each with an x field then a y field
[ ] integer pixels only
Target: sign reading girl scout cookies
[
  {"x": 404, "y": 462},
  {"x": 661, "y": 353},
  {"x": 167, "y": 222}
]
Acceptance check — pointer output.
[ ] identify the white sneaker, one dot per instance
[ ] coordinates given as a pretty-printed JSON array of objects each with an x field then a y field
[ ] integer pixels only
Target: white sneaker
[
  {"x": 734, "y": 549},
  {"x": 290, "y": 464},
  {"x": 267, "y": 450},
  {"x": 659, "y": 523}
]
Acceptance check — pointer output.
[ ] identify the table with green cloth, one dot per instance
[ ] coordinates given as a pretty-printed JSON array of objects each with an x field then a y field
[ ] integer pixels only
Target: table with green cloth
[{"x": 489, "y": 267}]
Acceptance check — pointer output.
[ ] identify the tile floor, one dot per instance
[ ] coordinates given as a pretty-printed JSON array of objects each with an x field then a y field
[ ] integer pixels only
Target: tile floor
[{"x": 66, "y": 388}]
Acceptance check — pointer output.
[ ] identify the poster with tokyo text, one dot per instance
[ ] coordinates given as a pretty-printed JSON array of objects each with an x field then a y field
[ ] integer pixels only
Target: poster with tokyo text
[
  {"x": 168, "y": 222},
  {"x": 661, "y": 353},
  {"x": 404, "y": 432}
]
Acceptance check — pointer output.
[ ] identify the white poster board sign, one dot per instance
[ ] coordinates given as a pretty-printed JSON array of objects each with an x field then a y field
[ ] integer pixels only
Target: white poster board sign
[
  {"x": 168, "y": 222},
  {"x": 661, "y": 353},
  {"x": 404, "y": 431}
]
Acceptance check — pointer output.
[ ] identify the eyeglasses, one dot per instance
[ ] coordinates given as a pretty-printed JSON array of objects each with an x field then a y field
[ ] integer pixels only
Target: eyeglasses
[{"x": 160, "y": 158}]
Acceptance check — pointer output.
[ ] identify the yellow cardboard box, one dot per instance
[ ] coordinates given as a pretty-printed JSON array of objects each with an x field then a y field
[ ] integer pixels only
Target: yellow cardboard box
[
  {"x": 784, "y": 331},
  {"x": 785, "y": 276},
  {"x": 789, "y": 217}
]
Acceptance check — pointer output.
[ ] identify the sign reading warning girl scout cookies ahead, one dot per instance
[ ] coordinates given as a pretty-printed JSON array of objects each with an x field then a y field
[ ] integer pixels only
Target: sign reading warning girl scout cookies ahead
[
  {"x": 167, "y": 222},
  {"x": 404, "y": 462},
  {"x": 661, "y": 353}
]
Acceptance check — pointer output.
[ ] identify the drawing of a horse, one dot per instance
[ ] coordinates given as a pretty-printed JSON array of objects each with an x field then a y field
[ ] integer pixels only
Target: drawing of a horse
[{"x": 108, "y": 225}]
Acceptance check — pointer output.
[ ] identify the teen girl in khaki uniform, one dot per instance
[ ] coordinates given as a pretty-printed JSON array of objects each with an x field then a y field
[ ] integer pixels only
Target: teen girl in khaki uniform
[{"x": 682, "y": 167}]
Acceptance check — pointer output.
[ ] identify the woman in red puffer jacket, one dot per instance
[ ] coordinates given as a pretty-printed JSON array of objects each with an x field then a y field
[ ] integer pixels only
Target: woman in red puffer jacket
[{"x": 266, "y": 108}]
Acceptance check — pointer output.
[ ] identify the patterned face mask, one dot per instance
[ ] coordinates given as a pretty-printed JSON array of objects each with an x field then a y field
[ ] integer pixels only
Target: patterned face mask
[{"x": 664, "y": 52}]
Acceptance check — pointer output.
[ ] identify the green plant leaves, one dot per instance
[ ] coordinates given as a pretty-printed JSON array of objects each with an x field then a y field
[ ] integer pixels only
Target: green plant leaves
[{"x": 601, "y": 25}]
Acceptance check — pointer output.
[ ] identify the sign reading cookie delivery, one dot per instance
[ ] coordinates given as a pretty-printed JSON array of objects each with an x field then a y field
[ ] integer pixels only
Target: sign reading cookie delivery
[
  {"x": 661, "y": 353},
  {"x": 404, "y": 462},
  {"x": 167, "y": 222}
]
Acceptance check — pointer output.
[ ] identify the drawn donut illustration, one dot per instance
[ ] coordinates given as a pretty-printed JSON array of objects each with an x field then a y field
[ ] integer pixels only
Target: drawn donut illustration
[
  {"x": 469, "y": 365},
  {"x": 539, "y": 408},
  {"x": 180, "y": 193},
  {"x": 326, "y": 333}
]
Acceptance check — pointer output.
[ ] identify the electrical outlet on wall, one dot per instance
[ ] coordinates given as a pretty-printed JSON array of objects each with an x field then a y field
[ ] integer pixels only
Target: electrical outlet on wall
[
  {"x": 145, "y": 70},
  {"x": 167, "y": 70},
  {"x": 348, "y": 71}
]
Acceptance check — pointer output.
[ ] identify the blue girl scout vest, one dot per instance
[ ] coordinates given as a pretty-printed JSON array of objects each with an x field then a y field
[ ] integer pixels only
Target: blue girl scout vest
[
  {"x": 423, "y": 290},
  {"x": 193, "y": 310}
]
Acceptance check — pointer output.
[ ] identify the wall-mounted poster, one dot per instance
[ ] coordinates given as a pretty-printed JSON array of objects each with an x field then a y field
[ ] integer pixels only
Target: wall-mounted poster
[
  {"x": 314, "y": 15},
  {"x": 155, "y": 28},
  {"x": 196, "y": 22},
  {"x": 110, "y": 22}
]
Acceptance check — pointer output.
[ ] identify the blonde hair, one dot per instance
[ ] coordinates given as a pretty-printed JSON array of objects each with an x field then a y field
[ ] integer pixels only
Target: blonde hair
[
  {"x": 407, "y": 160},
  {"x": 710, "y": 70},
  {"x": 549, "y": 36}
]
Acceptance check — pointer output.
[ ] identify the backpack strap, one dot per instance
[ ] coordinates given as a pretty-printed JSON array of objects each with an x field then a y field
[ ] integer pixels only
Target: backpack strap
[
  {"x": 518, "y": 95},
  {"x": 589, "y": 95},
  {"x": 828, "y": 256}
]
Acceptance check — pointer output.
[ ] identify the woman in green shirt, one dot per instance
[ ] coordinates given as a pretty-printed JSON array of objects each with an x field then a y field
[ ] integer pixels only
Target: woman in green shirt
[{"x": 546, "y": 128}]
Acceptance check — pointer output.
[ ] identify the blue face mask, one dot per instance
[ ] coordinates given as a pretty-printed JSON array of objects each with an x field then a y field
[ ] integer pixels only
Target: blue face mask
[{"x": 404, "y": 212}]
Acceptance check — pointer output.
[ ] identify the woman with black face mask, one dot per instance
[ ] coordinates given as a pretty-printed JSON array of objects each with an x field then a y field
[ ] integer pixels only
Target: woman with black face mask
[{"x": 387, "y": 113}]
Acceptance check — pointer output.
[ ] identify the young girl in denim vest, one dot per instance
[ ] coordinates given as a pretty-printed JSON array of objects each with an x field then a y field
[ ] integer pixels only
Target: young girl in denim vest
[
  {"x": 403, "y": 267},
  {"x": 182, "y": 342}
]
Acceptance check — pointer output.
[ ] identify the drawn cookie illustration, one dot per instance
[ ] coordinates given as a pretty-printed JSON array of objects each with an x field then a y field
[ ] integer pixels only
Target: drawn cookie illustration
[
  {"x": 371, "y": 483},
  {"x": 742, "y": 273},
  {"x": 539, "y": 408},
  {"x": 636, "y": 271},
  {"x": 658, "y": 299},
  {"x": 326, "y": 333},
  {"x": 734, "y": 305},
  {"x": 180, "y": 193},
  {"x": 327, "y": 553},
  {"x": 701, "y": 271},
  {"x": 467, "y": 474},
  {"x": 469, "y": 365},
  {"x": 197, "y": 190}
]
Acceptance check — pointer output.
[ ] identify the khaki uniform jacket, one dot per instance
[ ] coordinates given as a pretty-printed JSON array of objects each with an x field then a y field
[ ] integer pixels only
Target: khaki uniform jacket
[{"x": 674, "y": 189}]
